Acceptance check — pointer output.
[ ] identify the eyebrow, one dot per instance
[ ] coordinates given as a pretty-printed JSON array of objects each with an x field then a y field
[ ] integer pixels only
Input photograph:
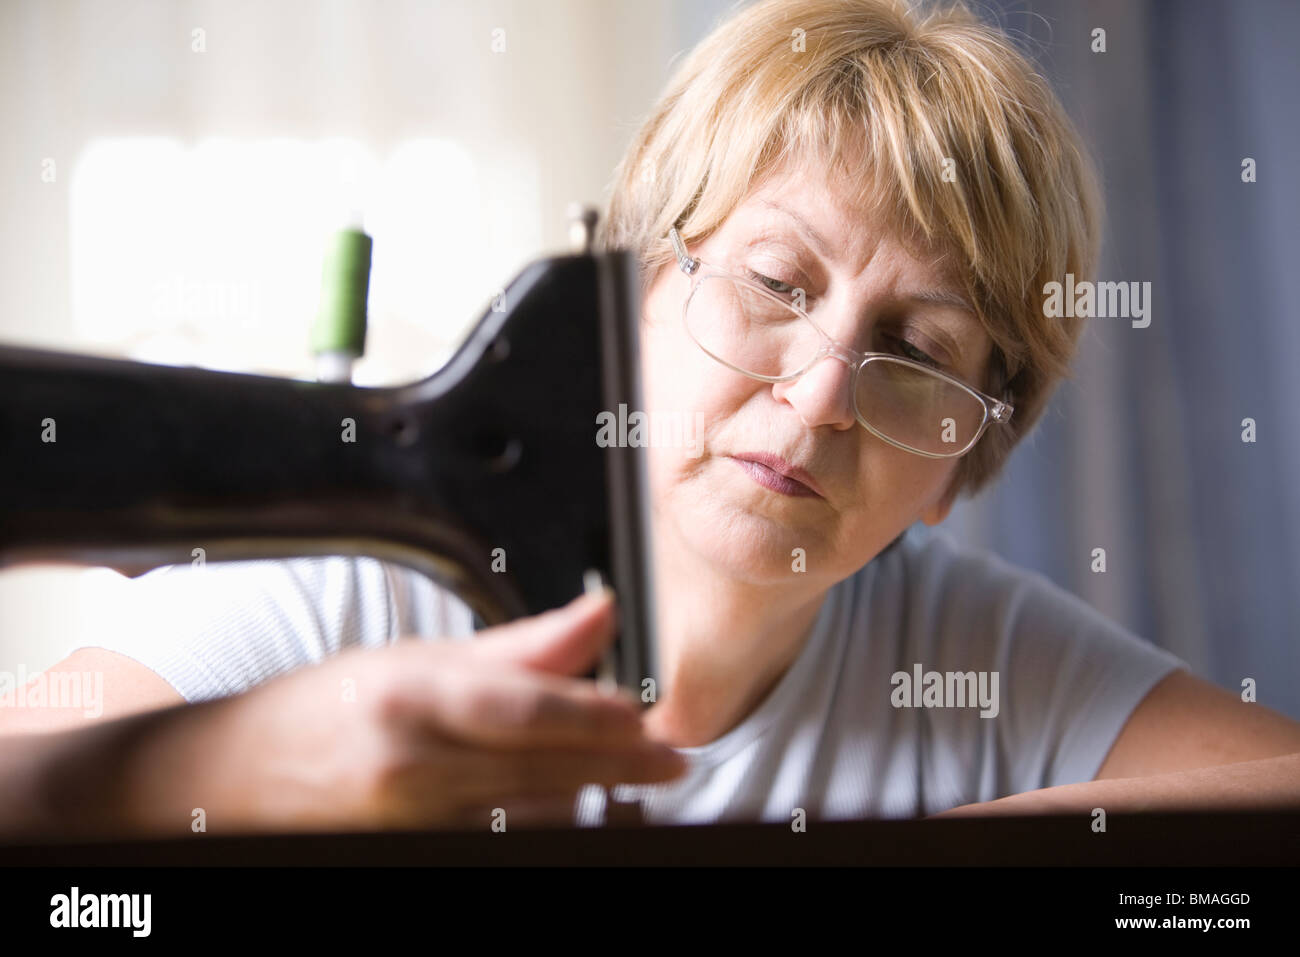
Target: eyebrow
[
  {"x": 940, "y": 297},
  {"x": 957, "y": 351},
  {"x": 936, "y": 297},
  {"x": 819, "y": 242}
]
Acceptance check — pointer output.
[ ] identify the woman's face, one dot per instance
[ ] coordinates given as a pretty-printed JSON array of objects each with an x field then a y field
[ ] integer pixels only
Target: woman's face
[{"x": 866, "y": 292}]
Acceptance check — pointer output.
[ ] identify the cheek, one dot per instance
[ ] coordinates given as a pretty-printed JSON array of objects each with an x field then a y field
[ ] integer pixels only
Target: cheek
[
  {"x": 689, "y": 403},
  {"x": 680, "y": 380},
  {"x": 897, "y": 483}
]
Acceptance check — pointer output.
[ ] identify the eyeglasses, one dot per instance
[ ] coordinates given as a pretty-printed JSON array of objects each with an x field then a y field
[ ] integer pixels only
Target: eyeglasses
[{"x": 758, "y": 333}]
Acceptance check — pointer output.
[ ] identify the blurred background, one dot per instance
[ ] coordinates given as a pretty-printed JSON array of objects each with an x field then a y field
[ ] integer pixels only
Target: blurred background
[{"x": 170, "y": 170}]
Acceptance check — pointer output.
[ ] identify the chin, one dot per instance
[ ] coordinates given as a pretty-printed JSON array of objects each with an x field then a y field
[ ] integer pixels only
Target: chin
[
  {"x": 749, "y": 561},
  {"x": 741, "y": 534}
]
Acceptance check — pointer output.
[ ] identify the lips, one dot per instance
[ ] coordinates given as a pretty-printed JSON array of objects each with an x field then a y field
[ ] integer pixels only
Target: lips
[{"x": 778, "y": 474}]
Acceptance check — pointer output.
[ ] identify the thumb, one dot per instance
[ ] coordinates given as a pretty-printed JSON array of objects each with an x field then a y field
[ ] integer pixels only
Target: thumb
[{"x": 563, "y": 641}]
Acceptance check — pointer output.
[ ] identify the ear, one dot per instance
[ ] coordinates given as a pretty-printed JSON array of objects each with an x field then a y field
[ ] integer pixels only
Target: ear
[{"x": 937, "y": 511}]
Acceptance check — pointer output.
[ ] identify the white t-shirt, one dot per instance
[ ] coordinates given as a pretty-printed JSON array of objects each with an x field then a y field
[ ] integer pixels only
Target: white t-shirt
[{"x": 841, "y": 735}]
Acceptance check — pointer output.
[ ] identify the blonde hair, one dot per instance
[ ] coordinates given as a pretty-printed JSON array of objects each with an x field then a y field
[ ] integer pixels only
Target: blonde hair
[{"x": 897, "y": 90}]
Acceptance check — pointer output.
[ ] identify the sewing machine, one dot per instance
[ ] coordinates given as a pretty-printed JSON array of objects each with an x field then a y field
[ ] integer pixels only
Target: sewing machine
[{"x": 485, "y": 476}]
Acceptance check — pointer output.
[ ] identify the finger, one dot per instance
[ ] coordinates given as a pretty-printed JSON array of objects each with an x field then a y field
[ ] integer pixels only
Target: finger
[
  {"x": 565, "y": 641},
  {"x": 522, "y": 812},
  {"x": 497, "y": 776},
  {"x": 511, "y": 708}
]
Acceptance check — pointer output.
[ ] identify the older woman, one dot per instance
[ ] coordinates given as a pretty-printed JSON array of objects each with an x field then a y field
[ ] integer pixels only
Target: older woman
[{"x": 845, "y": 212}]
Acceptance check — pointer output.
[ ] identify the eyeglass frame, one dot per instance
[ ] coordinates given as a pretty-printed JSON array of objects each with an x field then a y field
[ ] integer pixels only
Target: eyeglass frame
[{"x": 995, "y": 409}]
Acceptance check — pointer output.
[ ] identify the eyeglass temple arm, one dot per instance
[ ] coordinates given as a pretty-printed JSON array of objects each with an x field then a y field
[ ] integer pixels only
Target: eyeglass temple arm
[{"x": 687, "y": 264}]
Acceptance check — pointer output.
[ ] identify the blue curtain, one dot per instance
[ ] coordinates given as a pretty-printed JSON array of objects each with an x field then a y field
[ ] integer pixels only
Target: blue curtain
[{"x": 1141, "y": 453}]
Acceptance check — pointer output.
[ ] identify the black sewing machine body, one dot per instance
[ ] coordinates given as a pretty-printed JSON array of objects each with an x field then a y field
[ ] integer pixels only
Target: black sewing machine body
[{"x": 486, "y": 476}]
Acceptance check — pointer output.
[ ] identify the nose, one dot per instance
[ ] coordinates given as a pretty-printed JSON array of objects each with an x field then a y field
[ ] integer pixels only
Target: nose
[{"x": 823, "y": 394}]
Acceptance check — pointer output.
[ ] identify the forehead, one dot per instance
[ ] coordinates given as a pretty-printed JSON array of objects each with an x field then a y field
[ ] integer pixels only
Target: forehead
[
  {"x": 808, "y": 212},
  {"x": 847, "y": 223}
]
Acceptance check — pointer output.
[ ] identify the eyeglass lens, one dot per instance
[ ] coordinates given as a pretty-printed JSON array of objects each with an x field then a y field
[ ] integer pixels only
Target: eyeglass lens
[{"x": 740, "y": 325}]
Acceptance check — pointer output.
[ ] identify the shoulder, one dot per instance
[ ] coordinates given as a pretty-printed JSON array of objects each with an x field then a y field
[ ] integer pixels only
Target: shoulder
[
  {"x": 959, "y": 596},
  {"x": 929, "y": 585},
  {"x": 343, "y": 599},
  {"x": 1067, "y": 675},
  {"x": 224, "y": 627},
  {"x": 302, "y": 595},
  {"x": 951, "y": 588}
]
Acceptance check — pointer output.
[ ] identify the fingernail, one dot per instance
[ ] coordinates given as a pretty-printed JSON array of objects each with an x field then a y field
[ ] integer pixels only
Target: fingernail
[{"x": 592, "y": 599}]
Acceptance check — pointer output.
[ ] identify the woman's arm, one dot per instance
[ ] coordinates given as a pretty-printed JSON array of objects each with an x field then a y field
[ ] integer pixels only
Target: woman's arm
[
  {"x": 115, "y": 685},
  {"x": 91, "y": 781},
  {"x": 1186, "y": 723},
  {"x": 414, "y": 734},
  {"x": 1269, "y": 783},
  {"x": 1188, "y": 745}
]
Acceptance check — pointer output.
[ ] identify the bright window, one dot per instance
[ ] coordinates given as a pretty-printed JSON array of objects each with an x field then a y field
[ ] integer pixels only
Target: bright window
[{"x": 210, "y": 254}]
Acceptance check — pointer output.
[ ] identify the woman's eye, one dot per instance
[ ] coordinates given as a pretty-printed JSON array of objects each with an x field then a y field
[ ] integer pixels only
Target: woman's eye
[
  {"x": 776, "y": 285},
  {"x": 910, "y": 351}
]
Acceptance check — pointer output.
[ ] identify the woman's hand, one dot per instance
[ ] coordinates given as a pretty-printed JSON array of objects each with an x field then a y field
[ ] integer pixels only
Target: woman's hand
[{"x": 418, "y": 734}]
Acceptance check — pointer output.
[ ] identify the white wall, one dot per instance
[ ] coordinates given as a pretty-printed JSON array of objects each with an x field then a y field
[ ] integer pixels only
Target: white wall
[{"x": 191, "y": 190}]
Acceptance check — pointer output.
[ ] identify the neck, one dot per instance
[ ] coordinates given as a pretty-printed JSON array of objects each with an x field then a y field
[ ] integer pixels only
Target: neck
[{"x": 723, "y": 643}]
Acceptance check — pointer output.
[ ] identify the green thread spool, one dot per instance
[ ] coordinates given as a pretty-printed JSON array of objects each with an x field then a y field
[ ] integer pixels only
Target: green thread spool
[{"x": 340, "y": 326}]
